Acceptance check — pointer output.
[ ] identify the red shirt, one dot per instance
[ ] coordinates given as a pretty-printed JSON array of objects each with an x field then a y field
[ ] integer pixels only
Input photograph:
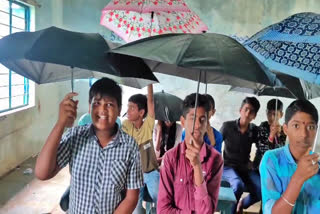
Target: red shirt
[{"x": 177, "y": 192}]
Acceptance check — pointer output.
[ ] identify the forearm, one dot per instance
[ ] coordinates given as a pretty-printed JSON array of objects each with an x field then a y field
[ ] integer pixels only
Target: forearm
[
  {"x": 46, "y": 164},
  {"x": 126, "y": 206},
  {"x": 291, "y": 194},
  {"x": 197, "y": 174},
  {"x": 150, "y": 101}
]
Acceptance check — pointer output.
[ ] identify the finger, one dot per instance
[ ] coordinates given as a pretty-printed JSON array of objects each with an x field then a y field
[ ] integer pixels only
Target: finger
[
  {"x": 69, "y": 108},
  {"x": 70, "y": 95},
  {"x": 314, "y": 156},
  {"x": 189, "y": 152},
  {"x": 70, "y": 102},
  {"x": 194, "y": 149},
  {"x": 71, "y": 115}
]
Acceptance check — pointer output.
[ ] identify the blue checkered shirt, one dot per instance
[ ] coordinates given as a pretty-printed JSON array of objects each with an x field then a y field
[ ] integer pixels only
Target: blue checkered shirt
[
  {"x": 99, "y": 176},
  {"x": 276, "y": 170}
]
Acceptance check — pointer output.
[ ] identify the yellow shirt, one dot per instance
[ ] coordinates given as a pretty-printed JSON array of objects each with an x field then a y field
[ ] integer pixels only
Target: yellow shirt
[{"x": 143, "y": 137}]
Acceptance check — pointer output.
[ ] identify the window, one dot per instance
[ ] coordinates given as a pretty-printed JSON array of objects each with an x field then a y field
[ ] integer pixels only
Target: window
[{"x": 14, "y": 89}]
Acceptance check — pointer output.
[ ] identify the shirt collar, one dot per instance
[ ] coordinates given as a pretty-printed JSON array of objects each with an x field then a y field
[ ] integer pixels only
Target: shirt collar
[
  {"x": 203, "y": 150},
  {"x": 289, "y": 155},
  {"x": 115, "y": 140},
  {"x": 250, "y": 127}
]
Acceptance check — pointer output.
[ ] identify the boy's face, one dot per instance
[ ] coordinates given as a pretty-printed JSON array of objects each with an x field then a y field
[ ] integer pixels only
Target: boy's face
[
  {"x": 200, "y": 126},
  {"x": 301, "y": 131},
  {"x": 272, "y": 115},
  {"x": 133, "y": 113},
  {"x": 104, "y": 112},
  {"x": 247, "y": 113}
]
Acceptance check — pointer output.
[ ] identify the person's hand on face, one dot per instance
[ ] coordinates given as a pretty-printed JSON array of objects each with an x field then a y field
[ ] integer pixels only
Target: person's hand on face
[
  {"x": 68, "y": 110},
  {"x": 307, "y": 166},
  {"x": 193, "y": 152},
  {"x": 275, "y": 129}
]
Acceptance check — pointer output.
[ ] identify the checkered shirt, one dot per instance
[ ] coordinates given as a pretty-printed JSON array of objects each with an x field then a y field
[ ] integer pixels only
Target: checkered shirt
[{"x": 99, "y": 176}]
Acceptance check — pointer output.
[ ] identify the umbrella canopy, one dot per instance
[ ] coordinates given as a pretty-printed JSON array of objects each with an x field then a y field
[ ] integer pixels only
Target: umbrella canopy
[
  {"x": 224, "y": 60},
  {"x": 54, "y": 54},
  {"x": 291, "y": 46},
  {"x": 293, "y": 88},
  {"x": 167, "y": 107},
  {"x": 133, "y": 20},
  {"x": 144, "y": 6}
]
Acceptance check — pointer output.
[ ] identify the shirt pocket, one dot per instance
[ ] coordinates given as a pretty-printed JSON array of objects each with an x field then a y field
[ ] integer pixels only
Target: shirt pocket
[
  {"x": 119, "y": 174},
  {"x": 181, "y": 191}
]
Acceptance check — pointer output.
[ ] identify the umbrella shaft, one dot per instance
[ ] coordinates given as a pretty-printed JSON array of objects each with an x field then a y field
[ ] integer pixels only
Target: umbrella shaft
[
  {"x": 72, "y": 79},
  {"x": 196, "y": 105}
]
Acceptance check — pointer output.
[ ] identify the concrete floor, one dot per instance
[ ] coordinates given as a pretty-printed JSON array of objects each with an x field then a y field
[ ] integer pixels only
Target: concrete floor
[{"x": 23, "y": 193}]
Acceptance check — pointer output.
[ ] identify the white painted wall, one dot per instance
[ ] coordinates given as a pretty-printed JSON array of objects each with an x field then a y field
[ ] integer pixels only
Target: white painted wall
[{"x": 22, "y": 134}]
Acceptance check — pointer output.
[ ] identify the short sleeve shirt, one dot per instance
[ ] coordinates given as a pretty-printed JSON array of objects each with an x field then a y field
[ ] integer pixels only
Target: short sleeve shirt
[
  {"x": 143, "y": 137},
  {"x": 99, "y": 176}
]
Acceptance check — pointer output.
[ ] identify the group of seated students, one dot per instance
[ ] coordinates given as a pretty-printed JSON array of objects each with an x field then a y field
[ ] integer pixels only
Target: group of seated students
[{"x": 113, "y": 168}]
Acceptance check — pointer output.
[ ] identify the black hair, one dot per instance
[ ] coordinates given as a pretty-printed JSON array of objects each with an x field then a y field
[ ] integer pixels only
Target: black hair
[
  {"x": 253, "y": 102},
  {"x": 106, "y": 87},
  {"x": 271, "y": 105},
  {"x": 190, "y": 100},
  {"x": 141, "y": 101},
  {"x": 211, "y": 101},
  {"x": 171, "y": 139},
  {"x": 301, "y": 106}
]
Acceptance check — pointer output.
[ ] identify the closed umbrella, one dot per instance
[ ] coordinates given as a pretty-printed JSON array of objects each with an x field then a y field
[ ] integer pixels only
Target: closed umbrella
[{"x": 168, "y": 107}]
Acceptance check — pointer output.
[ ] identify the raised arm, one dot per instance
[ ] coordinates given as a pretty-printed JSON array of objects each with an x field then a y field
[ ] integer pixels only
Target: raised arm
[
  {"x": 46, "y": 165},
  {"x": 150, "y": 101}
]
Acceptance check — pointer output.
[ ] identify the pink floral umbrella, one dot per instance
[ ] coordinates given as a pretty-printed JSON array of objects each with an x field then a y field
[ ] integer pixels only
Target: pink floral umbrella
[
  {"x": 162, "y": 16},
  {"x": 145, "y": 6}
]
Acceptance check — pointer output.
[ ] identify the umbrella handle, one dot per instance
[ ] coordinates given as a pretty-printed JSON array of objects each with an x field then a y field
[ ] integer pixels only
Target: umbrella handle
[
  {"x": 72, "y": 83},
  {"x": 196, "y": 105}
]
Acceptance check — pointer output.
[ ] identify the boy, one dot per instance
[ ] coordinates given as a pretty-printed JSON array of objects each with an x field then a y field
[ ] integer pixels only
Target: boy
[
  {"x": 104, "y": 161},
  {"x": 290, "y": 177},
  {"x": 239, "y": 135},
  {"x": 191, "y": 173},
  {"x": 270, "y": 134},
  {"x": 212, "y": 137},
  {"x": 140, "y": 107}
]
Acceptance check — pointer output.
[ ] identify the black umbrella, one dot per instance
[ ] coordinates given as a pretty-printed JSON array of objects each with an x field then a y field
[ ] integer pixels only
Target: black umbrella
[
  {"x": 167, "y": 106},
  {"x": 220, "y": 58},
  {"x": 54, "y": 54},
  {"x": 223, "y": 59},
  {"x": 292, "y": 88}
]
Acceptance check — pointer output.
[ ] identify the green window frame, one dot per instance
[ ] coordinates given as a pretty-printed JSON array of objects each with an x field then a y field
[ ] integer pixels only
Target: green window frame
[{"x": 14, "y": 89}]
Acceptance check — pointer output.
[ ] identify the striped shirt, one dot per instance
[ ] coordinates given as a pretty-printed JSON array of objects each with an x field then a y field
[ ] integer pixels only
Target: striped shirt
[
  {"x": 276, "y": 169},
  {"x": 99, "y": 176}
]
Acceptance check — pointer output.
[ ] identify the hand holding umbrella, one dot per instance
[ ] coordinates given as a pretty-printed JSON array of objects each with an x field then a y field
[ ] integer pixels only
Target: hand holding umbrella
[{"x": 68, "y": 110}]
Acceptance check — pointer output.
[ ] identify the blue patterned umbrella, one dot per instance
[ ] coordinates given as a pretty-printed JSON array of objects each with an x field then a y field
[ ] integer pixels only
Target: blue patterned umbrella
[{"x": 291, "y": 46}]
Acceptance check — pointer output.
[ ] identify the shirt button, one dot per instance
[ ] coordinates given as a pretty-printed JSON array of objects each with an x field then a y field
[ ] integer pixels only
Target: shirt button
[{"x": 181, "y": 179}]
